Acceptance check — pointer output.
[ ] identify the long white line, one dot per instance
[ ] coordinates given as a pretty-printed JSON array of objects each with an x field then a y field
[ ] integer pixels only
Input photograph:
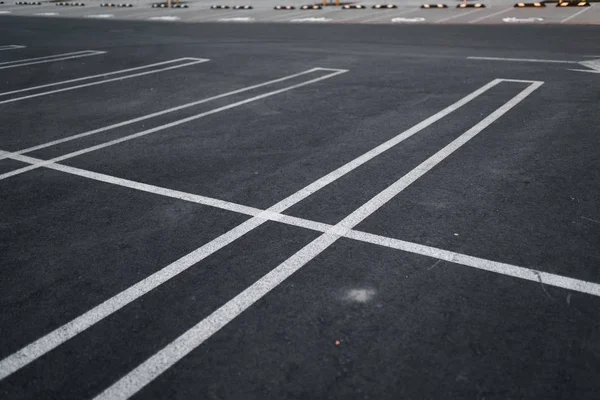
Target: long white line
[
  {"x": 149, "y": 370},
  {"x": 158, "y": 113},
  {"x": 387, "y": 15},
  {"x": 458, "y": 16},
  {"x": 490, "y": 15},
  {"x": 42, "y": 60},
  {"x": 72, "y": 328},
  {"x": 531, "y": 60},
  {"x": 11, "y": 47},
  {"x": 86, "y": 78},
  {"x": 166, "y": 126},
  {"x": 475, "y": 262},
  {"x": 45, "y": 57},
  {"x": 576, "y": 14}
]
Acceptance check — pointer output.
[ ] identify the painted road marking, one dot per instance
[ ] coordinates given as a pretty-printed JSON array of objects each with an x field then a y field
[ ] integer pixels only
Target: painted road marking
[
  {"x": 149, "y": 370},
  {"x": 67, "y": 331},
  {"x": 47, "y": 59},
  {"x": 47, "y": 14},
  {"x": 385, "y": 15},
  {"x": 101, "y": 16},
  {"x": 401, "y": 19},
  {"x": 490, "y": 16},
  {"x": 518, "y": 20},
  {"x": 475, "y": 262},
  {"x": 165, "y": 18},
  {"x": 5, "y": 12},
  {"x": 532, "y": 60},
  {"x": 193, "y": 61},
  {"x": 41, "y": 346},
  {"x": 311, "y": 19},
  {"x": 460, "y": 14},
  {"x": 576, "y": 14},
  {"x": 159, "y": 113},
  {"x": 11, "y": 47},
  {"x": 237, "y": 19}
]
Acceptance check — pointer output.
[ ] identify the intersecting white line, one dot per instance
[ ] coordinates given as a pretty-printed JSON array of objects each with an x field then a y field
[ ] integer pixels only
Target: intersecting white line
[
  {"x": 164, "y": 359},
  {"x": 192, "y": 61}
]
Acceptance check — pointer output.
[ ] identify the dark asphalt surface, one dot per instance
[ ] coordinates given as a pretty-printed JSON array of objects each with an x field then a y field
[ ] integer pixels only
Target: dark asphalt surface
[{"x": 525, "y": 191}]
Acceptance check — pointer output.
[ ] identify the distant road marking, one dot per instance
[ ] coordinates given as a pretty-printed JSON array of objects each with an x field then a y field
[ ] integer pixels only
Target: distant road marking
[
  {"x": 153, "y": 367},
  {"x": 237, "y": 19},
  {"x": 5, "y": 12},
  {"x": 158, "y": 113},
  {"x": 101, "y": 16},
  {"x": 165, "y": 18},
  {"x": 402, "y": 19},
  {"x": 47, "y": 14},
  {"x": 490, "y": 16},
  {"x": 385, "y": 14},
  {"x": 519, "y": 20},
  {"x": 576, "y": 14},
  {"x": 47, "y": 59},
  {"x": 11, "y": 47},
  {"x": 312, "y": 19},
  {"x": 193, "y": 61},
  {"x": 532, "y": 60},
  {"x": 460, "y": 14}
]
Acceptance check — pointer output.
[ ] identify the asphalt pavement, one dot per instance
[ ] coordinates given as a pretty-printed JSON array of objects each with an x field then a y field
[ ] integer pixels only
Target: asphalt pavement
[{"x": 283, "y": 211}]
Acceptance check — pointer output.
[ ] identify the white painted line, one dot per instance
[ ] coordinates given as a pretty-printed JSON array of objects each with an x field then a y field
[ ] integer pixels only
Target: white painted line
[
  {"x": 522, "y": 20},
  {"x": 311, "y": 19},
  {"x": 67, "y": 331},
  {"x": 47, "y": 14},
  {"x": 165, "y": 18},
  {"x": 149, "y": 370},
  {"x": 47, "y": 59},
  {"x": 479, "y": 263},
  {"x": 166, "y": 126},
  {"x": 11, "y": 47},
  {"x": 576, "y": 14},
  {"x": 5, "y": 12},
  {"x": 236, "y": 19},
  {"x": 100, "y": 16},
  {"x": 408, "y": 20},
  {"x": 386, "y": 14},
  {"x": 159, "y": 113},
  {"x": 490, "y": 16},
  {"x": 193, "y": 61},
  {"x": 531, "y": 60},
  {"x": 459, "y": 15}
]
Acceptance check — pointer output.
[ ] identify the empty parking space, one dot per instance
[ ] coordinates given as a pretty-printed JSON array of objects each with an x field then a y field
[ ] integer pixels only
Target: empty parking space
[{"x": 192, "y": 212}]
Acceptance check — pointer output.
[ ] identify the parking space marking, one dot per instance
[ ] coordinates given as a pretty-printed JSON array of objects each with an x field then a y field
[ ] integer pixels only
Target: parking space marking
[
  {"x": 459, "y": 15},
  {"x": 490, "y": 15},
  {"x": 386, "y": 14},
  {"x": 11, "y": 47},
  {"x": 192, "y": 61},
  {"x": 47, "y": 59},
  {"x": 576, "y": 14},
  {"x": 67, "y": 331},
  {"x": 531, "y": 60},
  {"x": 149, "y": 370},
  {"x": 159, "y": 113}
]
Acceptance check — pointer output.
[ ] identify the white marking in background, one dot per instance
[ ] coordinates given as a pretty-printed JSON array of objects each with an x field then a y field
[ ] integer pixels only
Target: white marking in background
[
  {"x": 46, "y": 14},
  {"x": 159, "y": 113},
  {"x": 165, "y": 126},
  {"x": 237, "y": 19},
  {"x": 153, "y": 367},
  {"x": 386, "y": 13},
  {"x": 194, "y": 62},
  {"x": 415, "y": 19},
  {"x": 67, "y": 331},
  {"x": 460, "y": 14},
  {"x": 490, "y": 16},
  {"x": 11, "y": 47},
  {"x": 519, "y": 20},
  {"x": 531, "y": 60},
  {"x": 576, "y": 14},
  {"x": 101, "y": 16},
  {"x": 360, "y": 295},
  {"x": 479, "y": 263},
  {"x": 311, "y": 19},
  {"x": 5, "y": 12},
  {"x": 165, "y": 18},
  {"x": 47, "y": 59}
]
